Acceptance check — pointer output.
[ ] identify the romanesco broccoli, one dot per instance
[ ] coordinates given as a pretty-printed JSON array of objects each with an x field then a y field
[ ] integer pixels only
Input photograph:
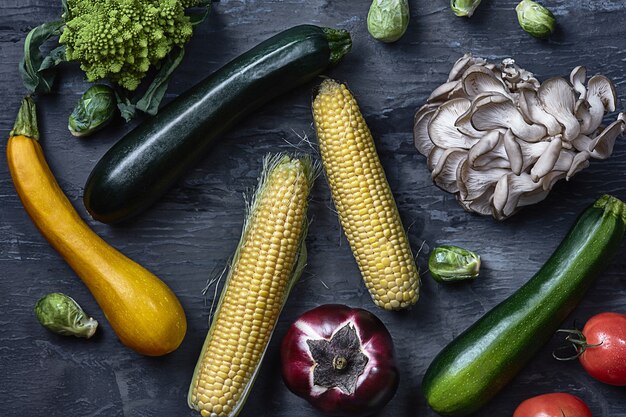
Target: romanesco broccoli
[{"x": 121, "y": 39}]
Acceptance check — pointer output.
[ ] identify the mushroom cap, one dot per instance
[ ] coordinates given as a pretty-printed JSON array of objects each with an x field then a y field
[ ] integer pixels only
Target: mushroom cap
[
  {"x": 464, "y": 122},
  {"x": 590, "y": 113},
  {"x": 420, "y": 129},
  {"x": 514, "y": 152},
  {"x": 515, "y": 77},
  {"x": 600, "y": 86},
  {"x": 484, "y": 145},
  {"x": 510, "y": 189},
  {"x": 600, "y": 97},
  {"x": 445, "y": 173},
  {"x": 442, "y": 130},
  {"x": 464, "y": 125},
  {"x": 565, "y": 161},
  {"x": 478, "y": 79},
  {"x": 601, "y": 147},
  {"x": 580, "y": 162},
  {"x": 433, "y": 157},
  {"x": 557, "y": 98},
  {"x": 480, "y": 205},
  {"x": 552, "y": 178},
  {"x": 473, "y": 183},
  {"x": 532, "y": 152},
  {"x": 577, "y": 78},
  {"x": 459, "y": 67},
  {"x": 533, "y": 112},
  {"x": 463, "y": 64},
  {"x": 581, "y": 143},
  {"x": 444, "y": 92},
  {"x": 547, "y": 161},
  {"x": 500, "y": 112}
]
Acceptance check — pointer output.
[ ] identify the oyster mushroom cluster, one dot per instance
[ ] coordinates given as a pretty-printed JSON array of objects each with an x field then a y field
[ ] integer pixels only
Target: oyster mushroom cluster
[{"x": 499, "y": 139}]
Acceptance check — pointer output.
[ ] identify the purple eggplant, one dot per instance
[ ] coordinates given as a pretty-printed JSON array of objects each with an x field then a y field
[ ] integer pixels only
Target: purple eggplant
[{"x": 341, "y": 360}]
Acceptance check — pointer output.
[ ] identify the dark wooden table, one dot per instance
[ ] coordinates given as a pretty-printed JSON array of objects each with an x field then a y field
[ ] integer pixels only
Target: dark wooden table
[{"x": 188, "y": 236}]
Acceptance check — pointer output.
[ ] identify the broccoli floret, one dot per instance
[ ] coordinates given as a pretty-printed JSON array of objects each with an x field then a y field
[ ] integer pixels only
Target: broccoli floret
[{"x": 121, "y": 39}]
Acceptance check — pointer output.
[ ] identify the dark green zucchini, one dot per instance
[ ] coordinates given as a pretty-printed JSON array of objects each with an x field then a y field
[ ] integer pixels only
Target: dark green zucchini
[
  {"x": 141, "y": 167},
  {"x": 477, "y": 364}
]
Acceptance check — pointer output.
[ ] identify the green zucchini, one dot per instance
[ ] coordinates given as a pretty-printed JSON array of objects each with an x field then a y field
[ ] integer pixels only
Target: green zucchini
[
  {"x": 143, "y": 165},
  {"x": 477, "y": 364}
]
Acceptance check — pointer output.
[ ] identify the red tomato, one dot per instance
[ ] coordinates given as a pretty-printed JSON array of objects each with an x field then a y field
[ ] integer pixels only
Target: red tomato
[
  {"x": 606, "y": 362},
  {"x": 558, "y": 404}
]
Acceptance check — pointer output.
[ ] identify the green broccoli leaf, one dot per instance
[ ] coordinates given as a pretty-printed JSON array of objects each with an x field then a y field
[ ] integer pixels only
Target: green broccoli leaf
[
  {"x": 126, "y": 106},
  {"x": 151, "y": 99},
  {"x": 54, "y": 58},
  {"x": 37, "y": 72},
  {"x": 196, "y": 18},
  {"x": 66, "y": 10}
]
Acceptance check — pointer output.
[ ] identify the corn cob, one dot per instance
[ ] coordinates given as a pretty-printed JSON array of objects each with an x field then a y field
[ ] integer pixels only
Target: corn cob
[
  {"x": 268, "y": 261},
  {"x": 364, "y": 202}
]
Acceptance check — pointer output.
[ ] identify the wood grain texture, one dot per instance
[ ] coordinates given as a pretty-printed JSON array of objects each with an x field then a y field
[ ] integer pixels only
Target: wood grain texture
[{"x": 188, "y": 237}]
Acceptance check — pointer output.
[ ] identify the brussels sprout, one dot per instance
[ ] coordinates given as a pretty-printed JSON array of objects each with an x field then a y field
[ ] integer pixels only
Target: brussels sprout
[
  {"x": 94, "y": 110},
  {"x": 60, "y": 314},
  {"x": 464, "y": 7},
  {"x": 387, "y": 20},
  {"x": 535, "y": 19},
  {"x": 451, "y": 263}
]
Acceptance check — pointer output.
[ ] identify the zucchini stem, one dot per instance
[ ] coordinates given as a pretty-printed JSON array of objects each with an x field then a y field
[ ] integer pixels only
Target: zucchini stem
[
  {"x": 26, "y": 121},
  {"x": 340, "y": 43},
  {"x": 613, "y": 206}
]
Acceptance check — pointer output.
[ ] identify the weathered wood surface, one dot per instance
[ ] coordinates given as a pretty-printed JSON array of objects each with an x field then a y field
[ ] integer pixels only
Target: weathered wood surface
[{"x": 190, "y": 234}]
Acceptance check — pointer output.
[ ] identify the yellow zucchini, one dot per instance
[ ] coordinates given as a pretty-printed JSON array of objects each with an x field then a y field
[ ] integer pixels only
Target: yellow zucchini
[{"x": 142, "y": 310}]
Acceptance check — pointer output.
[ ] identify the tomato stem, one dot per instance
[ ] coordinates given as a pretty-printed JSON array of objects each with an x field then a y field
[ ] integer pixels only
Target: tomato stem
[{"x": 578, "y": 342}]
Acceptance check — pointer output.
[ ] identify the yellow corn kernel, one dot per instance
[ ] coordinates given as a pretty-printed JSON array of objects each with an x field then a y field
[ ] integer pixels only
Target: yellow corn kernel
[
  {"x": 363, "y": 199},
  {"x": 268, "y": 260}
]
